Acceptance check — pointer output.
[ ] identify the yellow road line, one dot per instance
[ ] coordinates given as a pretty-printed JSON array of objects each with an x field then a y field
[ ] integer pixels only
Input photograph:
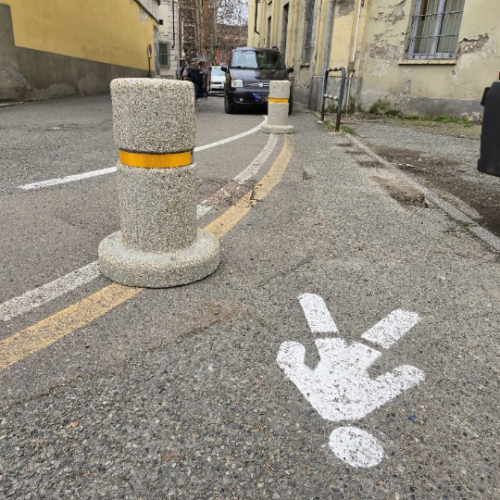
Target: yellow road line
[
  {"x": 220, "y": 226},
  {"x": 53, "y": 328},
  {"x": 44, "y": 333}
]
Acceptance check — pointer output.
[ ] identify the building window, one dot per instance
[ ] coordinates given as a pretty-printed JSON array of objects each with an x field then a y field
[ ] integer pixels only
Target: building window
[
  {"x": 435, "y": 28},
  {"x": 165, "y": 54},
  {"x": 284, "y": 30},
  {"x": 309, "y": 30}
]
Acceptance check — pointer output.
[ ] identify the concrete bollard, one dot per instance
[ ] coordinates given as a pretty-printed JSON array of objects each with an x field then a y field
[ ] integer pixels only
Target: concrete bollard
[
  {"x": 277, "y": 108},
  {"x": 159, "y": 244}
]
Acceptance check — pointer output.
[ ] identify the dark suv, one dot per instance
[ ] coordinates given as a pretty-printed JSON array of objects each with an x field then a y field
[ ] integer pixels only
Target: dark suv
[{"x": 248, "y": 74}]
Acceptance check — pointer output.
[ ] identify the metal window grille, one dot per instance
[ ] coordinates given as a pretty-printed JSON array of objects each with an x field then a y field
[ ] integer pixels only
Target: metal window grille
[
  {"x": 309, "y": 30},
  {"x": 435, "y": 28},
  {"x": 165, "y": 54}
]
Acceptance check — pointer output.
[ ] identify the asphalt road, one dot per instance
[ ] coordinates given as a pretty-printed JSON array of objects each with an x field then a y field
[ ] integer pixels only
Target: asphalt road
[{"x": 267, "y": 379}]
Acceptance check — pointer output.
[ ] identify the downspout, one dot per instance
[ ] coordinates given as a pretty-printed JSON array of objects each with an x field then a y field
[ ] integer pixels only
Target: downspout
[
  {"x": 353, "y": 58},
  {"x": 256, "y": 18},
  {"x": 326, "y": 60},
  {"x": 173, "y": 23}
]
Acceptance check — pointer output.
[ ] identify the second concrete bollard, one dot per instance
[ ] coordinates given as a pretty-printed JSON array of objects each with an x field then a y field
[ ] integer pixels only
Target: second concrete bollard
[
  {"x": 278, "y": 104},
  {"x": 159, "y": 244}
]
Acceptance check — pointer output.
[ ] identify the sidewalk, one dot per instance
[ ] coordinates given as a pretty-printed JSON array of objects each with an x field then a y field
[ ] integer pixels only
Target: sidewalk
[{"x": 210, "y": 414}]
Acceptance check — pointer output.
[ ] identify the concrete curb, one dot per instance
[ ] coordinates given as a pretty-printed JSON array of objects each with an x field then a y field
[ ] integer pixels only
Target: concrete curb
[{"x": 483, "y": 234}]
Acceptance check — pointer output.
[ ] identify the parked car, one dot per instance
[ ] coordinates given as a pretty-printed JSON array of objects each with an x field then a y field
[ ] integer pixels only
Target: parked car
[
  {"x": 248, "y": 75},
  {"x": 217, "y": 79}
]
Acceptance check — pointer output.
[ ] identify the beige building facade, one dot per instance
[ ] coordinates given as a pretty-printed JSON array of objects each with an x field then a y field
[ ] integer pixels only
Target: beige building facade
[
  {"x": 65, "y": 47},
  {"x": 169, "y": 39},
  {"x": 425, "y": 57}
]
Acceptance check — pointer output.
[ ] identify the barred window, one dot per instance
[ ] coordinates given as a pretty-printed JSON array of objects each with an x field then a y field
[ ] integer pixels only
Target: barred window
[
  {"x": 435, "y": 28},
  {"x": 309, "y": 30},
  {"x": 165, "y": 54}
]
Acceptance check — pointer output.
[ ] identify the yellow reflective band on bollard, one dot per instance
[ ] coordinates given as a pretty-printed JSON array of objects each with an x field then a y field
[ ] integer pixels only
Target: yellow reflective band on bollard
[
  {"x": 148, "y": 160},
  {"x": 278, "y": 100}
]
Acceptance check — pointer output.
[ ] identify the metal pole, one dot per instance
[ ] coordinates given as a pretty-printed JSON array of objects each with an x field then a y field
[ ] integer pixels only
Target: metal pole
[{"x": 341, "y": 98}]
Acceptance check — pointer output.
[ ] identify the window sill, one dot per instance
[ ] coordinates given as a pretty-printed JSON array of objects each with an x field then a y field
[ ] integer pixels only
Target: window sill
[{"x": 427, "y": 62}]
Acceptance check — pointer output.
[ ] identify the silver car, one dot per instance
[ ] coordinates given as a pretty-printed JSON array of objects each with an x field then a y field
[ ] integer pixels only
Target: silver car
[{"x": 217, "y": 79}]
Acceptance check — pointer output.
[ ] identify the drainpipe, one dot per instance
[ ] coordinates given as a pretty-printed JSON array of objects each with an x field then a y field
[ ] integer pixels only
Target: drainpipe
[
  {"x": 329, "y": 34},
  {"x": 173, "y": 23},
  {"x": 353, "y": 58}
]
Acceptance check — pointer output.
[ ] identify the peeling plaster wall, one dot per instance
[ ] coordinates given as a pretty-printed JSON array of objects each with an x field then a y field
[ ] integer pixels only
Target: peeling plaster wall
[{"x": 436, "y": 87}]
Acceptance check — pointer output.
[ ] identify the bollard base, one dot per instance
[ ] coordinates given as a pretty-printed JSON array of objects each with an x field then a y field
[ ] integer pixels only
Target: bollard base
[
  {"x": 277, "y": 129},
  {"x": 131, "y": 267}
]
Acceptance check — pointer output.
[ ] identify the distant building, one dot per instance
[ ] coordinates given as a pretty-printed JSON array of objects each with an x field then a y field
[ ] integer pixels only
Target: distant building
[
  {"x": 427, "y": 57},
  {"x": 228, "y": 38},
  {"x": 51, "y": 48}
]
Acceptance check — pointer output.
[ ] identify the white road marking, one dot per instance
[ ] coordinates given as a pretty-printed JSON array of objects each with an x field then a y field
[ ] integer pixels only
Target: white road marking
[
  {"x": 68, "y": 178},
  {"x": 57, "y": 288},
  {"x": 250, "y": 171},
  {"x": 95, "y": 173},
  {"x": 233, "y": 138},
  {"x": 356, "y": 447},
  {"x": 202, "y": 210},
  {"x": 35, "y": 298},
  {"x": 388, "y": 331},
  {"x": 255, "y": 166},
  {"x": 339, "y": 387},
  {"x": 317, "y": 315}
]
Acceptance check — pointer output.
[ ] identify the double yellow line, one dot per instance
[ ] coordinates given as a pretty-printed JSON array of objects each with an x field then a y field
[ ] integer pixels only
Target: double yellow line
[{"x": 44, "y": 333}]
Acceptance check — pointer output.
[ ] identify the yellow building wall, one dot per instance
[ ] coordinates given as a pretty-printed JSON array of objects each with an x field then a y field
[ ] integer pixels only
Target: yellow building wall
[{"x": 116, "y": 32}]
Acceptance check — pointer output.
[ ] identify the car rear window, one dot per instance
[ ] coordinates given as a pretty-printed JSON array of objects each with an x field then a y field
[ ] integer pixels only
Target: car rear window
[
  {"x": 256, "y": 59},
  {"x": 217, "y": 71}
]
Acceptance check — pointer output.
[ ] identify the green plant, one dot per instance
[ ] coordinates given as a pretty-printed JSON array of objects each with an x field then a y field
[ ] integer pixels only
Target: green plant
[
  {"x": 379, "y": 107},
  {"x": 331, "y": 108},
  {"x": 347, "y": 130},
  {"x": 329, "y": 125},
  {"x": 393, "y": 112},
  {"x": 351, "y": 109},
  {"x": 453, "y": 119},
  {"x": 410, "y": 117}
]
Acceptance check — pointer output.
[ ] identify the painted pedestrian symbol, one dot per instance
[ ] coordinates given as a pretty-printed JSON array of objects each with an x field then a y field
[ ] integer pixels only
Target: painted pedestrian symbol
[{"x": 340, "y": 388}]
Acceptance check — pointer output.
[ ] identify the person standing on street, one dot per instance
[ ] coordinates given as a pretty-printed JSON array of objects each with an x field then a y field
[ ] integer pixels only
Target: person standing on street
[
  {"x": 195, "y": 75},
  {"x": 206, "y": 78},
  {"x": 184, "y": 73}
]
